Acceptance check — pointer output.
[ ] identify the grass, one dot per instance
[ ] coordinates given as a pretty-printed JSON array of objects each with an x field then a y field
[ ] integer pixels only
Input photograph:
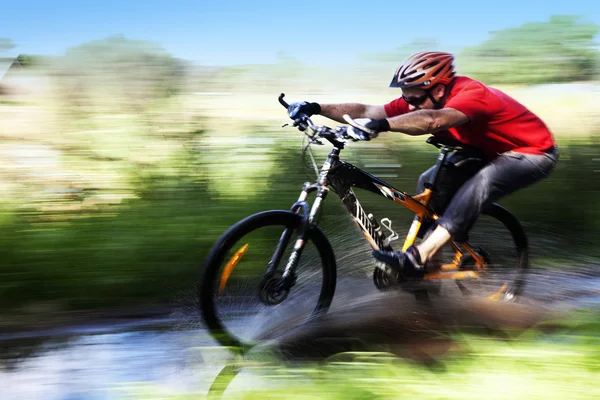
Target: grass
[
  {"x": 108, "y": 208},
  {"x": 540, "y": 364},
  {"x": 142, "y": 239}
]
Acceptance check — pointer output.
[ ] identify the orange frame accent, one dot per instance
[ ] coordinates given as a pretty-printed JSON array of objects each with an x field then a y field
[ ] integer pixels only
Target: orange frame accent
[{"x": 418, "y": 205}]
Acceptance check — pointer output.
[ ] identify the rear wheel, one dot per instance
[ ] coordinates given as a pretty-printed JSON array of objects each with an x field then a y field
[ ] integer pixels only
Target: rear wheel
[
  {"x": 241, "y": 302},
  {"x": 499, "y": 239}
]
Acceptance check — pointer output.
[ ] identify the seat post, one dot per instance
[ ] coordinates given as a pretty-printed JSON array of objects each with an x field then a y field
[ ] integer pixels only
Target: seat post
[{"x": 438, "y": 166}]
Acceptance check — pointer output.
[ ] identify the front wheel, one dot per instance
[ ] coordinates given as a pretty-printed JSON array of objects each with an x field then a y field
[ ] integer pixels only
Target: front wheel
[{"x": 242, "y": 300}]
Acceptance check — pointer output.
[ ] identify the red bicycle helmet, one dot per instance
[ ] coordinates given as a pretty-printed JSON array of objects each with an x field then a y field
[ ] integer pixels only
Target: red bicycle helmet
[{"x": 424, "y": 70}]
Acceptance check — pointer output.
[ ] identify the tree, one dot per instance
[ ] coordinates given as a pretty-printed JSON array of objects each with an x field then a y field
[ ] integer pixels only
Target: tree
[
  {"x": 6, "y": 44},
  {"x": 120, "y": 70},
  {"x": 559, "y": 50}
]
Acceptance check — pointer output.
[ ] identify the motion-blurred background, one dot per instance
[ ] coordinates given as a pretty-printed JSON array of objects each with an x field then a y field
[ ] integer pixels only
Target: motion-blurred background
[{"x": 133, "y": 136}]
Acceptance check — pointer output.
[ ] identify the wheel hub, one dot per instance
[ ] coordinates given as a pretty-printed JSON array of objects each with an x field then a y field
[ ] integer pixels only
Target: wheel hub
[{"x": 274, "y": 289}]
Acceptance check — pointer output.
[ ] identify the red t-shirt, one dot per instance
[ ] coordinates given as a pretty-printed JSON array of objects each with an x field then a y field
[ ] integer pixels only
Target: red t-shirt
[{"x": 498, "y": 123}]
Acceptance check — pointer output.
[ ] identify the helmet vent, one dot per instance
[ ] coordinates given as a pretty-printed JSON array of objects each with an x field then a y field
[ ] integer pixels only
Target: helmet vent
[
  {"x": 415, "y": 77},
  {"x": 433, "y": 64}
]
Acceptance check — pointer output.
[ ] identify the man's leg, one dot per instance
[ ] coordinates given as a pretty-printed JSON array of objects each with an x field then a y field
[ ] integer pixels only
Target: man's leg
[
  {"x": 459, "y": 167},
  {"x": 431, "y": 246},
  {"x": 506, "y": 174}
]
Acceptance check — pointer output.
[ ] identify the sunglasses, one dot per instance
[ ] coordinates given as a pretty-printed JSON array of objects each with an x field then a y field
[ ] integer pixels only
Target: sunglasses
[{"x": 416, "y": 100}]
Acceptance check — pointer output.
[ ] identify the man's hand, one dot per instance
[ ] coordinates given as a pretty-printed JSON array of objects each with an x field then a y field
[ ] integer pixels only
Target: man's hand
[
  {"x": 367, "y": 128},
  {"x": 302, "y": 107}
]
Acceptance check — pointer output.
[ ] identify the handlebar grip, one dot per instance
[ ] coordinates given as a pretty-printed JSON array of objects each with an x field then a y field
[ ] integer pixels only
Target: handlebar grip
[{"x": 282, "y": 101}]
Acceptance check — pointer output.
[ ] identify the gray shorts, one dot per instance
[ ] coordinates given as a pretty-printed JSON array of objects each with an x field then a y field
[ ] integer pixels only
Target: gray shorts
[{"x": 464, "y": 190}]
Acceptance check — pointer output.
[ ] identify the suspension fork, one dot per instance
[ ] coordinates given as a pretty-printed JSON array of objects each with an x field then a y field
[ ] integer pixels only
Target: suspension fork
[{"x": 309, "y": 218}]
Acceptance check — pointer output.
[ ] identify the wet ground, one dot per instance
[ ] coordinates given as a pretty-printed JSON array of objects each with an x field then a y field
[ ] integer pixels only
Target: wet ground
[{"x": 174, "y": 354}]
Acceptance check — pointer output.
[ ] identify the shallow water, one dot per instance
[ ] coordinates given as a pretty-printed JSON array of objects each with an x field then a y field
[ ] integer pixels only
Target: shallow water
[{"x": 176, "y": 355}]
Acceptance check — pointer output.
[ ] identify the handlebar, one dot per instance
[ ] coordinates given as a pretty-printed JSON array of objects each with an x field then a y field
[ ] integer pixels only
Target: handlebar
[
  {"x": 337, "y": 136},
  {"x": 282, "y": 101}
]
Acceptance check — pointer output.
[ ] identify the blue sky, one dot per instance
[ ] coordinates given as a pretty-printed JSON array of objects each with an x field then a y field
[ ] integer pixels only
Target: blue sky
[{"x": 240, "y": 32}]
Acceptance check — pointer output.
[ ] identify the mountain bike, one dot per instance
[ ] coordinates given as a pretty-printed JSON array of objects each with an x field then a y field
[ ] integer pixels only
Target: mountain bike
[{"x": 282, "y": 257}]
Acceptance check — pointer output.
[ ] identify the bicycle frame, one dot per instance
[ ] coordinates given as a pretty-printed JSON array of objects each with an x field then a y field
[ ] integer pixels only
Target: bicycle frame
[{"x": 343, "y": 176}]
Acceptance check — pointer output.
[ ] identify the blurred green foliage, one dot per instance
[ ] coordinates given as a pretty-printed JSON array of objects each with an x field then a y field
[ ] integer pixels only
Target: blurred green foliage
[
  {"x": 552, "y": 367},
  {"x": 132, "y": 73},
  {"x": 26, "y": 60},
  {"x": 6, "y": 44},
  {"x": 560, "y": 50},
  {"x": 117, "y": 181},
  {"x": 150, "y": 249}
]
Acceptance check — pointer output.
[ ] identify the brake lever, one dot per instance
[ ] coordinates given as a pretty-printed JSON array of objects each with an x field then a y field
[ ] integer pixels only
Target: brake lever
[
  {"x": 313, "y": 138},
  {"x": 297, "y": 124},
  {"x": 342, "y": 131}
]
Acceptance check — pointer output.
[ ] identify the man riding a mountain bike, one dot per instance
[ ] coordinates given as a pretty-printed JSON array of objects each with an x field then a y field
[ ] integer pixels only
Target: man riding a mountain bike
[{"x": 517, "y": 147}]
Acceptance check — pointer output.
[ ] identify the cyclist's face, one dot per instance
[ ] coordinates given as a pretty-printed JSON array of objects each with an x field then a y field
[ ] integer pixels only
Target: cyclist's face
[{"x": 418, "y": 99}]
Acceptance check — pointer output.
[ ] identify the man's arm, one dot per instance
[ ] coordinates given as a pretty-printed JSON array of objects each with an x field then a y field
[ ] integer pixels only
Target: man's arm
[
  {"x": 422, "y": 122},
  {"x": 355, "y": 110}
]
